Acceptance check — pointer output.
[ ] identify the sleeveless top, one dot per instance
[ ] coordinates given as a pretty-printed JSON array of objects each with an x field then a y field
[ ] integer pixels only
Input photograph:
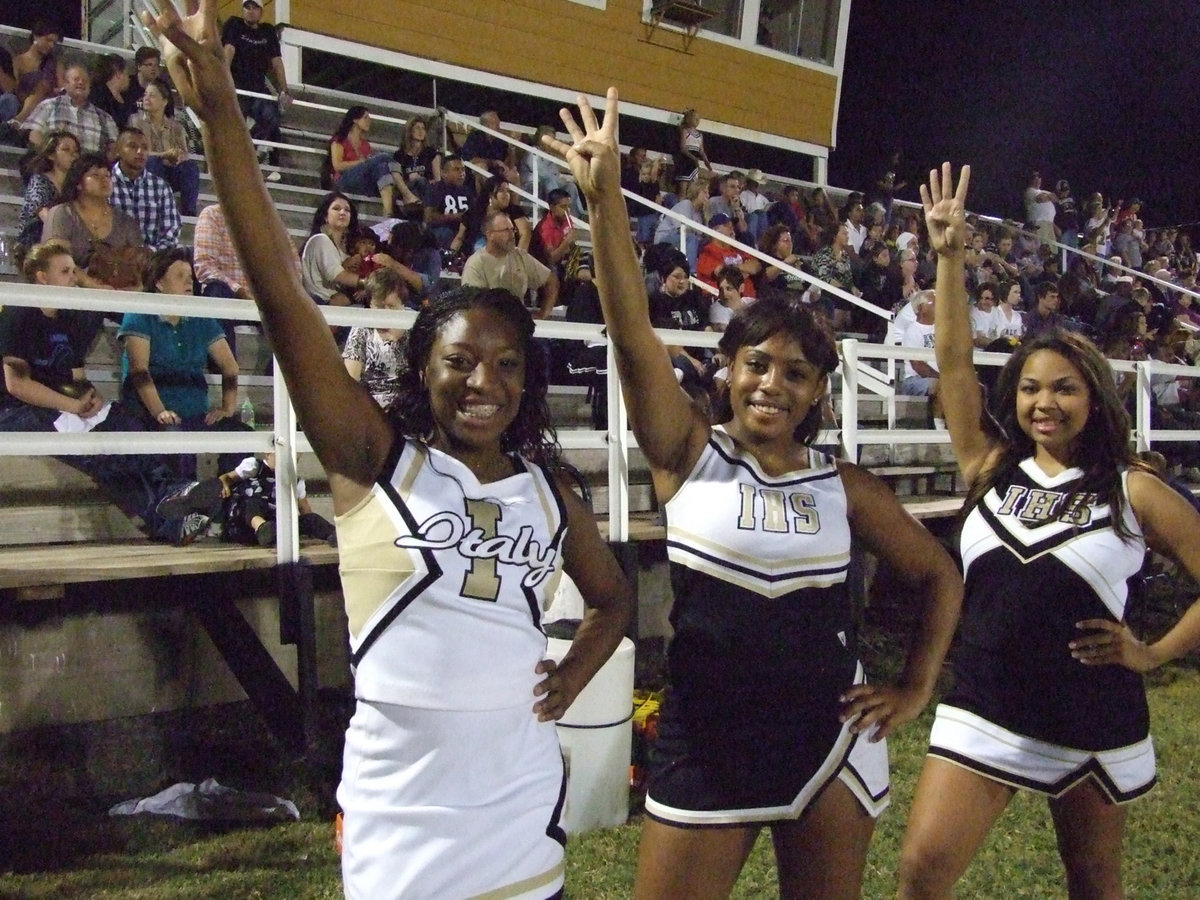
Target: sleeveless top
[
  {"x": 1032, "y": 571},
  {"x": 445, "y": 580}
]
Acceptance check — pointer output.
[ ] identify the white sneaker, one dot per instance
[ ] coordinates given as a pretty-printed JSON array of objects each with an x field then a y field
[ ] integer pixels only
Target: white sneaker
[{"x": 273, "y": 176}]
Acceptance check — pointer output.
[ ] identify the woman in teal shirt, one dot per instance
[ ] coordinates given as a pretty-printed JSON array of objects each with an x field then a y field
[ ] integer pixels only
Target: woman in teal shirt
[{"x": 166, "y": 358}]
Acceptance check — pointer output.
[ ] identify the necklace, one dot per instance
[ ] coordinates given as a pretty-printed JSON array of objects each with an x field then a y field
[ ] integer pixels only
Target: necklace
[{"x": 99, "y": 224}]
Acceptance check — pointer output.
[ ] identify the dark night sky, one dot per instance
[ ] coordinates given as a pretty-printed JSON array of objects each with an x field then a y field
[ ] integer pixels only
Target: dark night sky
[{"x": 1104, "y": 94}]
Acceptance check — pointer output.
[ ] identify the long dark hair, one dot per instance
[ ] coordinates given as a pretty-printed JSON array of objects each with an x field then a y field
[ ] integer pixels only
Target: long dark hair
[
  {"x": 40, "y": 164},
  {"x": 322, "y": 214},
  {"x": 1102, "y": 448},
  {"x": 531, "y": 433},
  {"x": 74, "y": 177},
  {"x": 775, "y": 315},
  {"x": 353, "y": 114}
]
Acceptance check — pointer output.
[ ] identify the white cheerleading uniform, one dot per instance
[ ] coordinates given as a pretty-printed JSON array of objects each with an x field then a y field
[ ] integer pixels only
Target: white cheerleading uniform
[
  {"x": 761, "y": 652},
  {"x": 450, "y": 788},
  {"x": 1023, "y": 711}
]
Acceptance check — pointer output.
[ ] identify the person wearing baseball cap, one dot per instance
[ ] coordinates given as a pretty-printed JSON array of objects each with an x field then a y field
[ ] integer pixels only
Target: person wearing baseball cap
[{"x": 254, "y": 57}]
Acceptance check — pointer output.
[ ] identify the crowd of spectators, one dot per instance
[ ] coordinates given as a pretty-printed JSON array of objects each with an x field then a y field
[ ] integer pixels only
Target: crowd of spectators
[{"x": 110, "y": 173}]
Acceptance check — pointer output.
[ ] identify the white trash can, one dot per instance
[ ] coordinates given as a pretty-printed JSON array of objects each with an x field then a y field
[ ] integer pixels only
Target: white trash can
[{"x": 596, "y": 736}]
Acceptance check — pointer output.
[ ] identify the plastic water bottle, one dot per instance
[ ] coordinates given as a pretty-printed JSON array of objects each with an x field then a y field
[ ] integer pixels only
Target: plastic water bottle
[{"x": 247, "y": 412}]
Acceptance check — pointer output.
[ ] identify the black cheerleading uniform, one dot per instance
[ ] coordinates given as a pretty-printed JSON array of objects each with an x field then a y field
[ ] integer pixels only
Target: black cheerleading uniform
[
  {"x": 762, "y": 647},
  {"x": 1023, "y": 710}
]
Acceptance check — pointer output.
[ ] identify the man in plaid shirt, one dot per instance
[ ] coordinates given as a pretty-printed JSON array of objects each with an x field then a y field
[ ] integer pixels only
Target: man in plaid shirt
[
  {"x": 72, "y": 111},
  {"x": 144, "y": 196}
]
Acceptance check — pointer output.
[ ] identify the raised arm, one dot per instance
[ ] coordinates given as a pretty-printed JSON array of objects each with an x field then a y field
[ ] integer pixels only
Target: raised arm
[
  {"x": 349, "y": 432},
  {"x": 669, "y": 430},
  {"x": 945, "y": 218}
]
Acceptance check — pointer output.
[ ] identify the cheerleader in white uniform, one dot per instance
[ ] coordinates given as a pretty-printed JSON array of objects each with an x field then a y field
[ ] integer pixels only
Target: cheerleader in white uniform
[
  {"x": 1048, "y": 692},
  {"x": 452, "y": 533},
  {"x": 768, "y": 720}
]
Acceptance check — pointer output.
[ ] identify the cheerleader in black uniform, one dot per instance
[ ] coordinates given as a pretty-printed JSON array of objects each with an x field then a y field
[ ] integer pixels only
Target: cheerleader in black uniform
[
  {"x": 768, "y": 720},
  {"x": 1048, "y": 694}
]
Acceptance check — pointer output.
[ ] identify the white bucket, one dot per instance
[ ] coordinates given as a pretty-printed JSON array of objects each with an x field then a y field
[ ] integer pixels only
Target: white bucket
[{"x": 596, "y": 736}]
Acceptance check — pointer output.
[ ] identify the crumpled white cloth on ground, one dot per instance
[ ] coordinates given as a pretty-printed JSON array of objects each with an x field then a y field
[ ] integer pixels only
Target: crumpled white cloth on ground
[{"x": 212, "y": 802}]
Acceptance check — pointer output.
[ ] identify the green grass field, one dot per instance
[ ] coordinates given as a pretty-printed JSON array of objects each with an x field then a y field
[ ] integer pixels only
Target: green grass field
[{"x": 57, "y": 842}]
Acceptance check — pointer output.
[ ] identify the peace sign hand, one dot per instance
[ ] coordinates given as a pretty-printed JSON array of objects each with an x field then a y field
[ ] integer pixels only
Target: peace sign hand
[
  {"x": 192, "y": 51},
  {"x": 946, "y": 210},
  {"x": 593, "y": 154}
]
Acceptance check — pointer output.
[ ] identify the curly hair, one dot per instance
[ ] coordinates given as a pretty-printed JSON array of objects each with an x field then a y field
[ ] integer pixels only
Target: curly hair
[
  {"x": 776, "y": 315},
  {"x": 1102, "y": 448},
  {"x": 531, "y": 432}
]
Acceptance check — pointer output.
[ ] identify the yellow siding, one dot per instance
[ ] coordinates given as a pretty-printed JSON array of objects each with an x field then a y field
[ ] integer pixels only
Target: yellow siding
[{"x": 577, "y": 47}]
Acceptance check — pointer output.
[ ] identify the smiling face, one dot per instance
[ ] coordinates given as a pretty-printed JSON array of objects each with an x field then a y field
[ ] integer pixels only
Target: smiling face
[
  {"x": 1053, "y": 402},
  {"x": 176, "y": 280},
  {"x": 78, "y": 84},
  {"x": 676, "y": 282},
  {"x": 986, "y": 301},
  {"x": 1013, "y": 297},
  {"x": 475, "y": 376},
  {"x": 772, "y": 388}
]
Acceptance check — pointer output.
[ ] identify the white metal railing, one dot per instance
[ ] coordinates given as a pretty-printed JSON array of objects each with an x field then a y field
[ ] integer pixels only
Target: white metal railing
[{"x": 286, "y": 442}]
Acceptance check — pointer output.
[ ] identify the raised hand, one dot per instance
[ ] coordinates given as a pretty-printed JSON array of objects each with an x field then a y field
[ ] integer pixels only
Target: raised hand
[
  {"x": 192, "y": 51},
  {"x": 946, "y": 209},
  {"x": 593, "y": 154}
]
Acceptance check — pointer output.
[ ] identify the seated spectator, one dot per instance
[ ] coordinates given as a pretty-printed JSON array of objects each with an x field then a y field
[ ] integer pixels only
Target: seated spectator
[
  {"x": 252, "y": 51},
  {"x": 874, "y": 284},
  {"x": 777, "y": 241},
  {"x": 73, "y": 111},
  {"x": 920, "y": 378},
  {"x": 693, "y": 207},
  {"x": 110, "y": 88},
  {"x": 36, "y": 71},
  {"x": 717, "y": 255},
  {"x": 910, "y": 225},
  {"x": 375, "y": 356},
  {"x": 493, "y": 154},
  {"x": 87, "y": 221},
  {"x": 730, "y": 299},
  {"x": 412, "y": 253},
  {"x": 165, "y": 359},
  {"x": 328, "y": 271},
  {"x": 728, "y": 203},
  {"x": 1009, "y": 321},
  {"x": 856, "y": 231},
  {"x": 641, "y": 176},
  {"x": 502, "y": 264},
  {"x": 550, "y": 175},
  {"x": 168, "y": 157},
  {"x": 10, "y": 105},
  {"x": 677, "y": 304},
  {"x": 554, "y": 238},
  {"x": 754, "y": 204},
  {"x": 1158, "y": 317},
  {"x": 1045, "y": 316},
  {"x": 420, "y": 163},
  {"x": 495, "y": 196},
  {"x": 218, "y": 268},
  {"x": 448, "y": 202},
  {"x": 147, "y": 70},
  {"x": 831, "y": 264},
  {"x": 145, "y": 197},
  {"x": 983, "y": 315},
  {"x": 45, "y": 390},
  {"x": 44, "y": 189},
  {"x": 1187, "y": 311},
  {"x": 355, "y": 168},
  {"x": 248, "y": 507}
]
